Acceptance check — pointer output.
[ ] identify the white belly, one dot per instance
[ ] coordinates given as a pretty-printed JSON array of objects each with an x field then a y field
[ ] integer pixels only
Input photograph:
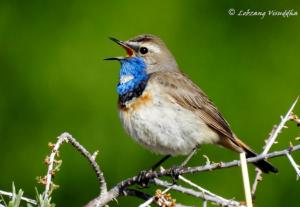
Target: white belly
[{"x": 164, "y": 127}]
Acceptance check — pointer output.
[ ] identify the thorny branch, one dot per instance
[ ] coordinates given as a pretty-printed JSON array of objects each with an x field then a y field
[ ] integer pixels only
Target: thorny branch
[
  {"x": 290, "y": 116},
  {"x": 115, "y": 191},
  {"x": 294, "y": 164},
  {"x": 51, "y": 162},
  {"x": 202, "y": 193},
  {"x": 278, "y": 129},
  {"x": 53, "y": 167},
  {"x": 91, "y": 158},
  {"x": 123, "y": 188}
]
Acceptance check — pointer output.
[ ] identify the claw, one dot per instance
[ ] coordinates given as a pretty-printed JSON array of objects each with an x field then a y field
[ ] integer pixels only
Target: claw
[
  {"x": 175, "y": 172},
  {"x": 142, "y": 180}
]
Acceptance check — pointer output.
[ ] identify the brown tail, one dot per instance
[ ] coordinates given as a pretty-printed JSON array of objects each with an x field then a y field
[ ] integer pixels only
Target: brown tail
[
  {"x": 238, "y": 146},
  {"x": 263, "y": 165}
]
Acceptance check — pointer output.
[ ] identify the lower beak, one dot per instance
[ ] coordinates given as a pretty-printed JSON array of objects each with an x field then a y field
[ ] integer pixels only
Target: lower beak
[{"x": 114, "y": 58}]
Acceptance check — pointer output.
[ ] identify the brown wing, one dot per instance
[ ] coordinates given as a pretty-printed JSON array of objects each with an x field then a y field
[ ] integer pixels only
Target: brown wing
[
  {"x": 190, "y": 96},
  {"x": 184, "y": 92}
]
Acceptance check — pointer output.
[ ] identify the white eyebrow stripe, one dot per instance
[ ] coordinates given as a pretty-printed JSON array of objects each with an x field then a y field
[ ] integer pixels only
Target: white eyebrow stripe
[{"x": 152, "y": 48}]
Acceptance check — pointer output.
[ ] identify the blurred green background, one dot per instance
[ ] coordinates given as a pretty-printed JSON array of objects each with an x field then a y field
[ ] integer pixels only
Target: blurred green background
[{"x": 53, "y": 79}]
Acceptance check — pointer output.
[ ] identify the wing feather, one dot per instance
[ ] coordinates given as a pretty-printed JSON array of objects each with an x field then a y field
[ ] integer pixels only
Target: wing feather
[{"x": 187, "y": 94}]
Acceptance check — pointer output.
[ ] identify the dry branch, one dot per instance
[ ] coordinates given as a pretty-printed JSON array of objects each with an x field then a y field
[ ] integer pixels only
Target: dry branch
[
  {"x": 115, "y": 191},
  {"x": 272, "y": 138},
  {"x": 124, "y": 187}
]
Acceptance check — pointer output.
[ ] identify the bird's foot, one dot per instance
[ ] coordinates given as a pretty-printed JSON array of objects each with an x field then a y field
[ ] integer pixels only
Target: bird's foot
[
  {"x": 175, "y": 172},
  {"x": 142, "y": 179}
]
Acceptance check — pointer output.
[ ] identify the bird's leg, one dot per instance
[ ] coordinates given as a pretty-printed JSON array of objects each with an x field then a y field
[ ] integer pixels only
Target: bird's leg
[
  {"x": 141, "y": 180},
  {"x": 189, "y": 157},
  {"x": 175, "y": 170},
  {"x": 156, "y": 165}
]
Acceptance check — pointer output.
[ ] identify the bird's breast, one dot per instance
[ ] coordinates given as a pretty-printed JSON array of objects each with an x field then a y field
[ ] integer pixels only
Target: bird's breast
[
  {"x": 136, "y": 103},
  {"x": 159, "y": 124}
]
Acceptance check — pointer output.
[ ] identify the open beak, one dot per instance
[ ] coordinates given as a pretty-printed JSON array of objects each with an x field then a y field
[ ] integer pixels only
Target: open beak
[{"x": 129, "y": 48}]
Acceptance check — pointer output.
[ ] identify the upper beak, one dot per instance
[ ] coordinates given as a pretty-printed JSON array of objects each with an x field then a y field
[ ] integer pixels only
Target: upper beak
[{"x": 130, "y": 48}]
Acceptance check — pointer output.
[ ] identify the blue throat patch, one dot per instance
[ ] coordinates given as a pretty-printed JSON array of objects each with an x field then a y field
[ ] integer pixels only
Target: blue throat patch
[{"x": 132, "y": 75}]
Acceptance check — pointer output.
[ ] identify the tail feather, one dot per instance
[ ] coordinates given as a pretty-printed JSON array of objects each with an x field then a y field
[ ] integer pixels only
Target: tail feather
[
  {"x": 238, "y": 146},
  {"x": 263, "y": 165}
]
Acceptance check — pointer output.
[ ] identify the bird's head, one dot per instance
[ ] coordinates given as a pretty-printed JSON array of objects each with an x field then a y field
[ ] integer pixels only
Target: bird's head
[{"x": 149, "y": 49}]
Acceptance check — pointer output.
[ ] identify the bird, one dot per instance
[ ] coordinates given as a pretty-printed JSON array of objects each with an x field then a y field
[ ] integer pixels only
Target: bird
[{"x": 165, "y": 111}]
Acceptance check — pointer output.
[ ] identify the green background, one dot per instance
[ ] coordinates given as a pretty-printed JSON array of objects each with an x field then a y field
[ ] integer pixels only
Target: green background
[{"x": 53, "y": 79}]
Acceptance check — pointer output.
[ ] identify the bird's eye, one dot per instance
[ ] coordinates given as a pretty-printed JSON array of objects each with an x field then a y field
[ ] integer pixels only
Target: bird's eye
[{"x": 143, "y": 50}]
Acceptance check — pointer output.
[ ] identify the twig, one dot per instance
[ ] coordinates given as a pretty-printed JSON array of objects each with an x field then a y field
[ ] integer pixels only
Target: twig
[
  {"x": 60, "y": 141},
  {"x": 66, "y": 137},
  {"x": 294, "y": 164},
  {"x": 197, "y": 194},
  {"x": 9, "y": 194},
  {"x": 217, "y": 166},
  {"x": 271, "y": 140},
  {"x": 246, "y": 181},
  {"x": 91, "y": 159},
  {"x": 204, "y": 191},
  {"x": 273, "y": 137},
  {"x": 257, "y": 179}
]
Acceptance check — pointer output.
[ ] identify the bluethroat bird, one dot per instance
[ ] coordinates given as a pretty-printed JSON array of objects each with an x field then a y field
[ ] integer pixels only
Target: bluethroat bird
[{"x": 163, "y": 110}]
